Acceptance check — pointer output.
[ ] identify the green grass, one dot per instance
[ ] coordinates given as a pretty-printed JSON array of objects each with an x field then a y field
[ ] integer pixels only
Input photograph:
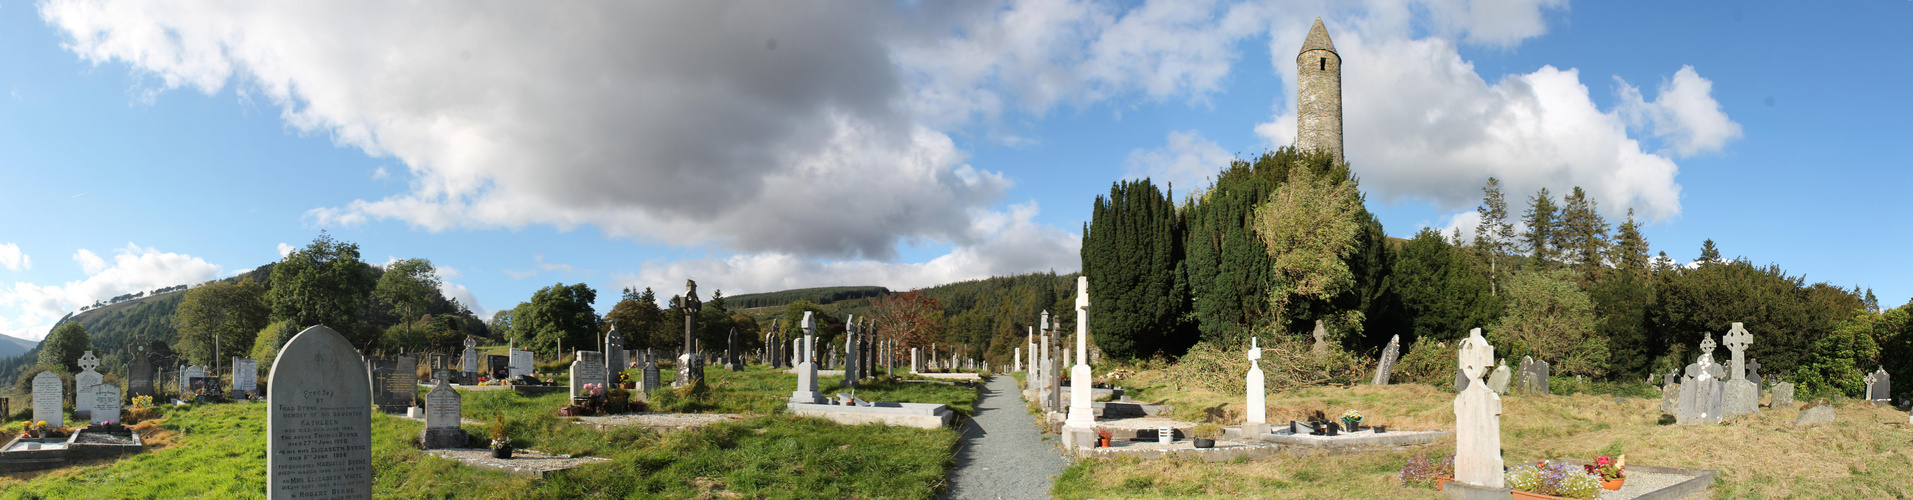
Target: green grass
[{"x": 218, "y": 451}]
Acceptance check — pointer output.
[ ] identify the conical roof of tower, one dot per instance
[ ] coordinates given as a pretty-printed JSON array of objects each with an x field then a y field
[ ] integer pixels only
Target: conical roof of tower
[{"x": 1318, "y": 39}]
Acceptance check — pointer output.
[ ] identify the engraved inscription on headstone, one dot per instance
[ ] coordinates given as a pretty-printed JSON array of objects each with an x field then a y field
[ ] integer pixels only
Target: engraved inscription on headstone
[
  {"x": 139, "y": 372},
  {"x": 48, "y": 393},
  {"x": 106, "y": 403},
  {"x": 245, "y": 376},
  {"x": 587, "y": 369},
  {"x": 84, "y": 385},
  {"x": 497, "y": 367},
  {"x": 443, "y": 407},
  {"x": 319, "y": 427}
]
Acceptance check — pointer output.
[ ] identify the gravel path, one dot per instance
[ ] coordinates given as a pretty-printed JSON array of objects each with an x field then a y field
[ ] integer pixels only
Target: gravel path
[{"x": 1003, "y": 456}]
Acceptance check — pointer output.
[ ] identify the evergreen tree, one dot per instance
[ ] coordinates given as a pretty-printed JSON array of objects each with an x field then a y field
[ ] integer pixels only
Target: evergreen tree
[
  {"x": 1630, "y": 248},
  {"x": 1494, "y": 236},
  {"x": 637, "y": 316},
  {"x": 1132, "y": 254},
  {"x": 1583, "y": 234},
  {"x": 1541, "y": 238},
  {"x": 1228, "y": 266},
  {"x": 1441, "y": 292},
  {"x": 1311, "y": 225},
  {"x": 1709, "y": 254}
]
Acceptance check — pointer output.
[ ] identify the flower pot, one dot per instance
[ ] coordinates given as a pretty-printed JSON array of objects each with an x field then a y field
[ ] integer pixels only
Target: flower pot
[
  {"x": 1612, "y": 484},
  {"x": 501, "y": 452},
  {"x": 567, "y": 412},
  {"x": 1439, "y": 481},
  {"x": 1205, "y": 443},
  {"x": 1102, "y": 442}
]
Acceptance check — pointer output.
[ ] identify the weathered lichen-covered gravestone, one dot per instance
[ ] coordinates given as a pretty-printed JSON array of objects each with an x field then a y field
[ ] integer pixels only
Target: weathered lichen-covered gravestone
[
  {"x": 1321, "y": 338},
  {"x": 1701, "y": 388},
  {"x": 48, "y": 395},
  {"x": 1386, "y": 367},
  {"x": 85, "y": 384},
  {"x": 319, "y": 424},
  {"x": 690, "y": 364},
  {"x": 1879, "y": 386},
  {"x": 1819, "y": 414},
  {"x": 1742, "y": 396},
  {"x": 106, "y": 403},
  {"x": 443, "y": 414},
  {"x": 1477, "y": 418},
  {"x": 1753, "y": 374},
  {"x": 245, "y": 377},
  {"x": 651, "y": 375},
  {"x": 470, "y": 357},
  {"x": 1498, "y": 381},
  {"x": 851, "y": 359},
  {"x": 1782, "y": 396},
  {"x": 587, "y": 369}
]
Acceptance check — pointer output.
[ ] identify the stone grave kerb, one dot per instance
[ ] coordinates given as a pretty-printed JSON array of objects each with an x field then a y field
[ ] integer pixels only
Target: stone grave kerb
[{"x": 1737, "y": 341}]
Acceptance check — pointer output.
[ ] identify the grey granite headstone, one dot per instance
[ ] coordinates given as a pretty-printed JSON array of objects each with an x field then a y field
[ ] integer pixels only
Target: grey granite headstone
[
  {"x": 851, "y": 359},
  {"x": 1819, "y": 414},
  {"x": 1782, "y": 396},
  {"x": 245, "y": 377},
  {"x": 443, "y": 415},
  {"x": 651, "y": 374},
  {"x": 1879, "y": 387},
  {"x": 1386, "y": 367},
  {"x": 615, "y": 359},
  {"x": 587, "y": 369},
  {"x": 1542, "y": 371},
  {"x": 48, "y": 395},
  {"x": 106, "y": 403},
  {"x": 319, "y": 424},
  {"x": 497, "y": 367},
  {"x": 85, "y": 384},
  {"x": 139, "y": 372},
  {"x": 1753, "y": 373},
  {"x": 398, "y": 388},
  {"x": 1670, "y": 398}
]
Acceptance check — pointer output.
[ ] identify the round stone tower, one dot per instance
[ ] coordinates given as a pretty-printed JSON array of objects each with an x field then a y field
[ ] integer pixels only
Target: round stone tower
[{"x": 1318, "y": 102}]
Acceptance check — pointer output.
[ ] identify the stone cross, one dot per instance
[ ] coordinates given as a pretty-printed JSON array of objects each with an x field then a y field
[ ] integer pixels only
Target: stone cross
[
  {"x": 84, "y": 384},
  {"x": 1257, "y": 406},
  {"x": 1081, "y": 415},
  {"x": 1737, "y": 341},
  {"x": 1321, "y": 338},
  {"x": 1477, "y": 418},
  {"x": 690, "y": 364},
  {"x": 851, "y": 359},
  {"x": 806, "y": 392},
  {"x": 1879, "y": 386},
  {"x": 1753, "y": 372}
]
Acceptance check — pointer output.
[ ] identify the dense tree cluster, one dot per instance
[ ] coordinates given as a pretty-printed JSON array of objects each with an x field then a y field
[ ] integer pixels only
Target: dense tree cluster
[{"x": 1282, "y": 241}]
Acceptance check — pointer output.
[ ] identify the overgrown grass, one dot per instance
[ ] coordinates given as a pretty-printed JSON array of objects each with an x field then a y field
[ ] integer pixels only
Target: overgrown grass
[
  {"x": 218, "y": 451},
  {"x": 1861, "y": 455}
]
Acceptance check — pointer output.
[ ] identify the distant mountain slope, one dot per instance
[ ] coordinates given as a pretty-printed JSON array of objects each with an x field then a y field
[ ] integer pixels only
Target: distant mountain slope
[
  {"x": 819, "y": 296},
  {"x": 10, "y": 347}
]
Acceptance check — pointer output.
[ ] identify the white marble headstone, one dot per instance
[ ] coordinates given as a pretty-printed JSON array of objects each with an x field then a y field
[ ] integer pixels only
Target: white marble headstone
[
  {"x": 319, "y": 424},
  {"x": 245, "y": 375},
  {"x": 48, "y": 392},
  {"x": 85, "y": 384},
  {"x": 442, "y": 407},
  {"x": 106, "y": 403}
]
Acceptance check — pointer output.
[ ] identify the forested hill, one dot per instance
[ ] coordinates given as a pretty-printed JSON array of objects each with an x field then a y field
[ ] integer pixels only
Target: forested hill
[{"x": 819, "y": 296}]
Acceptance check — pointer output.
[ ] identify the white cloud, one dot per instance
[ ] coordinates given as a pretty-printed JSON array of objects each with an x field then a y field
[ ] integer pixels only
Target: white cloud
[
  {"x": 380, "y": 173},
  {"x": 519, "y": 275},
  {"x": 1011, "y": 242},
  {"x": 447, "y": 272},
  {"x": 13, "y": 259},
  {"x": 463, "y": 296},
  {"x": 286, "y": 249},
  {"x": 28, "y": 310},
  {"x": 1188, "y": 161},
  {"x": 1421, "y": 123},
  {"x": 1466, "y": 221},
  {"x": 1684, "y": 114}
]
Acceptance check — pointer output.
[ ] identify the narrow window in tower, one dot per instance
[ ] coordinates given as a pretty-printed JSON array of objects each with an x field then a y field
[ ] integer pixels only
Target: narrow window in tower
[{"x": 1324, "y": 64}]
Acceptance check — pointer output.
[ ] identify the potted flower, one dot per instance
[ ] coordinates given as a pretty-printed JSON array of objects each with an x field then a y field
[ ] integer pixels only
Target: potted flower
[
  {"x": 618, "y": 401},
  {"x": 624, "y": 380},
  {"x": 1102, "y": 437},
  {"x": 1612, "y": 470},
  {"x": 501, "y": 443},
  {"x": 1205, "y": 435},
  {"x": 1351, "y": 419}
]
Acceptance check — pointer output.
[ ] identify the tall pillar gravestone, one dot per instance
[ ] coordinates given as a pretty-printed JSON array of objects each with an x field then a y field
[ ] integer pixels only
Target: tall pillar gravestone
[
  {"x": 319, "y": 423},
  {"x": 443, "y": 415},
  {"x": 470, "y": 367},
  {"x": 1742, "y": 396},
  {"x": 690, "y": 364},
  {"x": 1477, "y": 418},
  {"x": 49, "y": 397},
  {"x": 1081, "y": 415},
  {"x": 851, "y": 359},
  {"x": 615, "y": 360},
  {"x": 139, "y": 371},
  {"x": 806, "y": 392},
  {"x": 652, "y": 377},
  {"x": 1256, "y": 422}
]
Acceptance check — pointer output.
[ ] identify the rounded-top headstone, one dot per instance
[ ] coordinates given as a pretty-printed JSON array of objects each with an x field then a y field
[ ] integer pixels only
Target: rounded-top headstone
[{"x": 319, "y": 425}]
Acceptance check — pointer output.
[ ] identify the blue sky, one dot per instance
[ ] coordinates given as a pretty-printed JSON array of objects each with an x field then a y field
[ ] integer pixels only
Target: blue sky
[{"x": 759, "y": 147}]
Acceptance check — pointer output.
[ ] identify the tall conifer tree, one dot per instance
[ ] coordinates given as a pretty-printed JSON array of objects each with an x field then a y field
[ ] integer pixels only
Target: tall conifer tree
[
  {"x": 1542, "y": 220},
  {"x": 1132, "y": 251}
]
